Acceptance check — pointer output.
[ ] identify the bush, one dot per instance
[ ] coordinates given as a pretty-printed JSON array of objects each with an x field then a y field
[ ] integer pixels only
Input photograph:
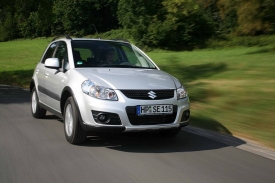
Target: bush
[
  {"x": 224, "y": 41},
  {"x": 168, "y": 24},
  {"x": 8, "y": 30}
]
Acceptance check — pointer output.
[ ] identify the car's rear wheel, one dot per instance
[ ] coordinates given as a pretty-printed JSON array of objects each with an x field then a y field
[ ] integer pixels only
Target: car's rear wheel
[
  {"x": 37, "y": 111},
  {"x": 170, "y": 132},
  {"x": 73, "y": 130}
]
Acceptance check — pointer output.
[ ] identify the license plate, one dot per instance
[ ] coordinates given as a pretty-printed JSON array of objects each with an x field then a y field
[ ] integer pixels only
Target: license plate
[{"x": 154, "y": 109}]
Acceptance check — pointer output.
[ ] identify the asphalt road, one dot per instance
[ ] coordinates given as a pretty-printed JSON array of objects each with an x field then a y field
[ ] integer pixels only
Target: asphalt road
[{"x": 34, "y": 150}]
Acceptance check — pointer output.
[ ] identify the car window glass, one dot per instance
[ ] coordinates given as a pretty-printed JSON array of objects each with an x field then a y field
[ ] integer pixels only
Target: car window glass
[
  {"x": 61, "y": 52},
  {"x": 97, "y": 53},
  {"x": 142, "y": 59},
  {"x": 49, "y": 52},
  {"x": 131, "y": 57},
  {"x": 85, "y": 53}
]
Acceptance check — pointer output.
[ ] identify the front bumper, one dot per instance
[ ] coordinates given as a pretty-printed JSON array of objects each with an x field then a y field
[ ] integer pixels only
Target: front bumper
[{"x": 87, "y": 104}]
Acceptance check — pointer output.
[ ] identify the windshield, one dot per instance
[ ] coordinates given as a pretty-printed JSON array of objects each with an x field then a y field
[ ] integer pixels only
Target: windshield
[{"x": 99, "y": 53}]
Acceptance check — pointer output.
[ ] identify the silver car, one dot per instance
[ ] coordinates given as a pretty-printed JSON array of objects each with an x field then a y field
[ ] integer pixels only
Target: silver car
[{"x": 106, "y": 85}]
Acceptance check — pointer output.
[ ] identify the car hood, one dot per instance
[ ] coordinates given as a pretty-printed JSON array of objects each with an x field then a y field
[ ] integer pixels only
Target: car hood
[{"x": 117, "y": 78}]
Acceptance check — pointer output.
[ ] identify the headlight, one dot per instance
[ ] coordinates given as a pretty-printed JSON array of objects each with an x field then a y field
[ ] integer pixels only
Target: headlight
[
  {"x": 181, "y": 93},
  {"x": 100, "y": 92}
]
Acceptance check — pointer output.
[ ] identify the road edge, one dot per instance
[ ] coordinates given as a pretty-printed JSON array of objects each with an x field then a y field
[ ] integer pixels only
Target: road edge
[{"x": 237, "y": 142}]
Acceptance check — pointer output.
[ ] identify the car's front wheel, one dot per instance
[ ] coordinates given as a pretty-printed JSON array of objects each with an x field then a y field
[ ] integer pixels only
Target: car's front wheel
[
  {"x": 170, "y": 132},
  {"x": 37, "y": 111},
  {"x": 73, "y": 130}
]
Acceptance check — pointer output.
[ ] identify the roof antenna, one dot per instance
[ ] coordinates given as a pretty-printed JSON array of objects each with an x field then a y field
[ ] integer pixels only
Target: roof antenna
[{"x": 96, "y": 30}]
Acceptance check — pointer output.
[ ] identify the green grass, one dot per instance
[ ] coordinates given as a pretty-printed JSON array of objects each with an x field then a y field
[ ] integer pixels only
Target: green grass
[
  {"x": 18, "y": 59},
  {"x": 232, "y": 90}
]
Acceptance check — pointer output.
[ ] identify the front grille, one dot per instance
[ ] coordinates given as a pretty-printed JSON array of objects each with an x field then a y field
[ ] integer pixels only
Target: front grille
[
  {"x": 150, "y": 119},
  {"x": 143, "y": 94}
]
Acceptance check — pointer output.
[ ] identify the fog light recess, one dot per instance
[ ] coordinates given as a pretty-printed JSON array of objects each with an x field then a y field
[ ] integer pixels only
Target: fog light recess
[
  {"x": 106, "y": 118},
  {"x": 185, "y": 115},
  {"x": 103, "y": 118}
]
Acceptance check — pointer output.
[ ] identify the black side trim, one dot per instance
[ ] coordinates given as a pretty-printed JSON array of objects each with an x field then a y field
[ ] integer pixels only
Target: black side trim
[
  {"x": 49, "y": 93},
  {"x": 51, "y": 110}
]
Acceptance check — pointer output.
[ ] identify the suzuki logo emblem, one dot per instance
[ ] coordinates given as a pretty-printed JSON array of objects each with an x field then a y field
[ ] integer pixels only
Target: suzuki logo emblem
[{"x": 152, "y": 95}]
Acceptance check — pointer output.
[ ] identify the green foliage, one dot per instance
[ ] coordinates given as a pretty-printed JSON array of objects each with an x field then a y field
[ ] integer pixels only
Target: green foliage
[
  {"x": 226, "y": 41},
  {"x": 253, "y": 18},
  {"x": 80, "y": 17},
  {"x": 27, "y": 19},
  {"x": 113, "y": 34},
  {"x": 247, "y": 17},
  {"x": 166, "y": 24},
  {"x": 8, "y": 28},
  {"x": 30, "y": 27},
  {"x": 169, "y": 24},
  {"x": 228, "y": 14}
]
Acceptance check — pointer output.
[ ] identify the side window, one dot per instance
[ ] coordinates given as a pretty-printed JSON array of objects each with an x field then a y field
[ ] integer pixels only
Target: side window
[
  {"x": 61, "y": 52},
  {"x": 49, "y": 52}
]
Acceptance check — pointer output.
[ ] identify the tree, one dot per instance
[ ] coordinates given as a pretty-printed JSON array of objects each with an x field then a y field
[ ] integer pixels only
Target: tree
[
  {"x": 171, "y": 24},
  {"x": 8, "y": 29},
  {"x": 251, "y": 18},
  {"x": 228, "y": 13},
  {"x": 8, "y": 25},
  {"x": 78, "y": 17}
]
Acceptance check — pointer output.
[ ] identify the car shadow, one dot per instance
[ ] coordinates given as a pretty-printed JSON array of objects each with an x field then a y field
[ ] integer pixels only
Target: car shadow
[
  {"x": 190, "y": 139},
  {"x": 50, "y": 116},
  {"x": 152, "y": 142}
]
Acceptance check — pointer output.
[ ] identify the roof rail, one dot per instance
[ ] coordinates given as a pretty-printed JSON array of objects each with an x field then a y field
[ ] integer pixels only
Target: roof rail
[{"x": 66, "y": 36}]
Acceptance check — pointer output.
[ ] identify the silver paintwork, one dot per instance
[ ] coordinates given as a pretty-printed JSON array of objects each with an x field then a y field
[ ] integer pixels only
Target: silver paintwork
[
  {"x": 115, "y": 78},
  {"x": 52, "y": 62}
]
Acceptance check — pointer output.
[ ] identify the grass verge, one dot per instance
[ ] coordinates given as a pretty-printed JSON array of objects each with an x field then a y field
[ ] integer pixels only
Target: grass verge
[{"x": 231, "y": 90}]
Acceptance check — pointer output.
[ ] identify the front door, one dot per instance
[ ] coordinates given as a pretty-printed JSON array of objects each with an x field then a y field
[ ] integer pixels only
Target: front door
[{"x": 56, "y": 78}]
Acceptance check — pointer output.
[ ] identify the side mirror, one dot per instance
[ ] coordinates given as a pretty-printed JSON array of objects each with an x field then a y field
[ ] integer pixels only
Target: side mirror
[{"x": 52, "y": 63}]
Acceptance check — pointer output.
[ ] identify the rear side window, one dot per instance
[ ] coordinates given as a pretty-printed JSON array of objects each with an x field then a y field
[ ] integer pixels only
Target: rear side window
[{"x": 49, "y": 52}]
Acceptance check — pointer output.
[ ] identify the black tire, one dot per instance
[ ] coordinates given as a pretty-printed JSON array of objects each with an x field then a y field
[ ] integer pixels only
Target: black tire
[
  {"x": 36, "y": 110},
  {"x": 170, "y": 132},
  {"x": 72, "y": 128}
]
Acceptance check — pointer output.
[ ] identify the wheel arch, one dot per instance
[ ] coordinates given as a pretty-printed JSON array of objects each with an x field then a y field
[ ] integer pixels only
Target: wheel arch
[
  {"x": 66, "y": 93},
  {"x": 32, "y": 84}
]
